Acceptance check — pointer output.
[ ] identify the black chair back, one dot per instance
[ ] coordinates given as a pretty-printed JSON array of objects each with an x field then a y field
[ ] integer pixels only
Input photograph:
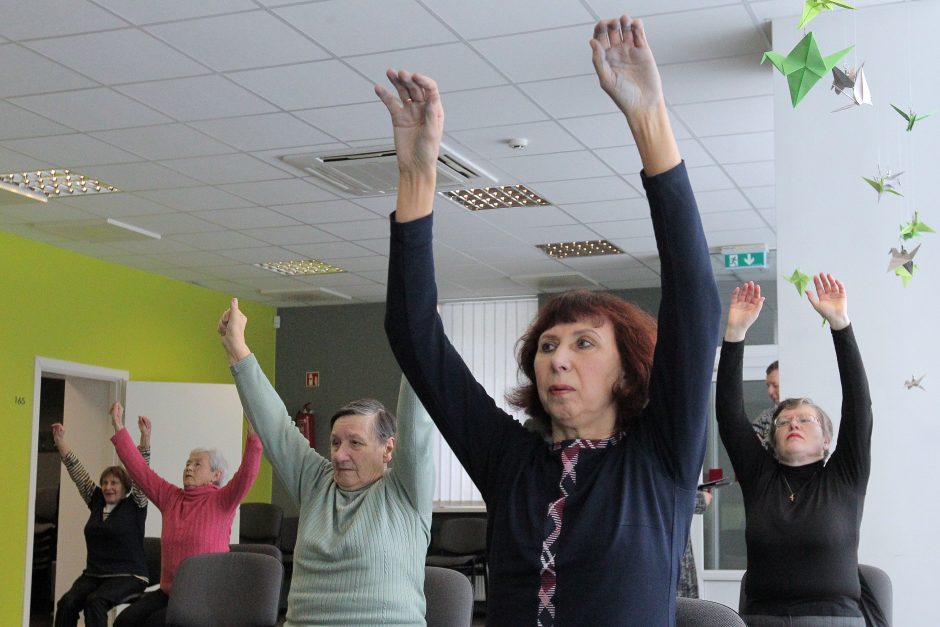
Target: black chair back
[{"x": 259, "y": 523}]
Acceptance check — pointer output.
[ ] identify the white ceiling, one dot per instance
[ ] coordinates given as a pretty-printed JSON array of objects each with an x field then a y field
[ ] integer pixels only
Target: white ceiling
[{"x": 186, "y": 106}]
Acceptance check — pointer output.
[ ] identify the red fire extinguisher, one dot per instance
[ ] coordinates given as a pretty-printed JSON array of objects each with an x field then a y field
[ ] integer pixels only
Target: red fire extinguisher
[{"x": 306, "y": 422}]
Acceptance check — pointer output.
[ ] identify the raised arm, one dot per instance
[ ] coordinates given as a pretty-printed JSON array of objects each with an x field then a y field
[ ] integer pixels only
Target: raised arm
[
  {"x": 734, "y": 427},
  {"x": 235, "y": 490},
  {"x": 145, "y": 427},
  {"x": 852, "y": 456},
  {"x": 287, "y": 449},
  {"x": 413, "y": 464},
  {"x": 84, "y": 483},
  {"x": 690, "y": 309},
  {"x": 150, "y": 483}
]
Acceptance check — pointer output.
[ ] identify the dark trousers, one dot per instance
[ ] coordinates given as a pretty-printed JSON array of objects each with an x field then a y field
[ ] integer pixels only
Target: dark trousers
[
  {"x": 94, "y": 596},
  {"x": 148, "y": 611}
]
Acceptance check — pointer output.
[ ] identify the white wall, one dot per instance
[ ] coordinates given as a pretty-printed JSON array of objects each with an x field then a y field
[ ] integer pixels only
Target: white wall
[{"x": 829, "y": 220}]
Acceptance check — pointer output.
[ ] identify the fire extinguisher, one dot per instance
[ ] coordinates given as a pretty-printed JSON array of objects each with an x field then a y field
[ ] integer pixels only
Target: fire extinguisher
[{"x": 306, "y": 421}]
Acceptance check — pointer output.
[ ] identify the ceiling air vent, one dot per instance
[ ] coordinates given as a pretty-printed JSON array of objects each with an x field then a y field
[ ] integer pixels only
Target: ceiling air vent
[{"x": 375, "y": 171}]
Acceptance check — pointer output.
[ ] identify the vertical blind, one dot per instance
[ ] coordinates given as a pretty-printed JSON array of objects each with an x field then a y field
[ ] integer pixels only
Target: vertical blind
[{"x": 485, "y": 335}]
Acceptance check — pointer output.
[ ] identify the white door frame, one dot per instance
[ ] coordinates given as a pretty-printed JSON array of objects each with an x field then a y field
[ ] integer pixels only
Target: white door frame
[{"x": 49, "y": 366}]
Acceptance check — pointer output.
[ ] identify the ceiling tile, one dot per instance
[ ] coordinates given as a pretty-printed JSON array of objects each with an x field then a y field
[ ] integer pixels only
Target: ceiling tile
[
  {"x": 610, "y": 129},
  {"x": 118, "y": 56},
  {"x": 709, "y": 178},
  {"x": 721, "y": 200},
  {"x": 492, "y": 106},
  {"x": 571, "y": 97},
  {"x": 286, "y": 235},
  {"x": 172, "y": 223},
  {"x": 366, "y": 293},
  {"x": 622, "y": 160},
  {"x": 540, "y": 55},
  {"x": 25, "y": 72},
  {"x": 585, "y": 190},
  {"x": 198, "y": 98},
  {"x": 755, "y": 174},
  {"x": 515, "y": 219},
  {"x": 741, "y": 236},
  {"x": 222, "y": 169},
  {"x": 762, "y": 197},
  {"x": 351, "y": 122},
  {"x": 253, "y": 217},
  {"x": 16, "y": 123},
  {"x": 196, "y": 198},
  {"x": 726, "y": 117},
  {"x": 239, "y": 41},
  {"x": 207, "y": 260},
  {"x": 732, "y": 77},
  {"x": 264, "y": 254},
  {"x": 90, "y": 110},
  {"x": 217, "y": 240},
  {"x": 324, "y": 212},
  {"x": 52, "y": 211},
  {"x": 157, "y": 248},
  {"x": 11, "y": 161},
  {"x": 543, "y": 137},
  {"x": 486, "y": 18},
  {"x": 438, "y": 62},
  {"x": 741, "y": 147},
  {"x": 364, "y": 229},
  {"x": 164, "y": 141},
  {"x": 607, "y": 210},
  {"x": 69, "y": 151},
  {"x": 116, "y": 205},
  {"x": 263, "y": 132},
  {"x": 339, "y": 25},
  {"x": 282, "y": 192},
  {"x": 623, "y": 229},
  {"x": 307, "y": 85},
  {"x": 560, "y": 233},
  {"x": 329, "y": 251},
  {"x": 553, "y": 167},
  {"x": 146, "y": 11},
  {"x": 366, "y": 264},
  {"x": 131, "y": 177},
  {"x": 644, "y": 8},
  {"x": 50, "y": 18},
  {"x": 705, "y": 33},
  {"x": 729, "y": 220}
]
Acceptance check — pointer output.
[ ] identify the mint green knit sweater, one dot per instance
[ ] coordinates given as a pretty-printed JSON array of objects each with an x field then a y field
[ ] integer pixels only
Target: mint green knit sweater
[{"x": 359, "y": 557}]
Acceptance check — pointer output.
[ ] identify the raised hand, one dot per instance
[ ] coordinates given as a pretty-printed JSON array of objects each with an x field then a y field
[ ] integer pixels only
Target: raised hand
[
  {"x": 232, "y": 329},
  {"x": 117, "y": 416},
  {"x": 625, "y": 66},
  {"x": 417, "y": 121},
  {"x": 830, "y": 300},
  {"x": 746, "y": 303},
  {"x": 143, "y": 423}
]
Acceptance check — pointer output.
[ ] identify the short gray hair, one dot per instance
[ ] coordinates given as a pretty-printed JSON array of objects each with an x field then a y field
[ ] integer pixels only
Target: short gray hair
[
  {"x": 216, "y": 462},
  {"x": 792, "y": 403},
  {"x": 383, "y": 421}
]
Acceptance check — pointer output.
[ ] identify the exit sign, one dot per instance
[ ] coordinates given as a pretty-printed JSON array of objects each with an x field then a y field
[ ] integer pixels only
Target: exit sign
[
  {"x": 752, "y": 256},
  {"x": 312, "y": 379}
]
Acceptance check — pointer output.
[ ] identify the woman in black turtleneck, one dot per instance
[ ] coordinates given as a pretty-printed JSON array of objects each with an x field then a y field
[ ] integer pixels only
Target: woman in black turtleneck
[{"x": 803, "y": 505}]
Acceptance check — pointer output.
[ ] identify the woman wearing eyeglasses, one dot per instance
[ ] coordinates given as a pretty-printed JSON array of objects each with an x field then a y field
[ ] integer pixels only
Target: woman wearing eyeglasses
[{"x": 803, "y": 502}]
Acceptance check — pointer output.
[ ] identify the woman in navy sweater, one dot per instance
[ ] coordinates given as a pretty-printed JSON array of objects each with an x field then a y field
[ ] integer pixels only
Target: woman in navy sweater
[
  {"x": 114, "y": 537},
  {"x": 589, "y": 529}
]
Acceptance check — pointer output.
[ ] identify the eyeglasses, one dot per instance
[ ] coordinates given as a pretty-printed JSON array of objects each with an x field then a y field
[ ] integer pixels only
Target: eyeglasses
[{"x": 804, "y": 420}]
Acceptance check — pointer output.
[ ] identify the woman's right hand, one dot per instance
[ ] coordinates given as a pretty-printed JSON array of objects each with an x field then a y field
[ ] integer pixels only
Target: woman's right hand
[
  {"x": 417, "y": 122},
  {"x": 58, "y": 434},
  {"x": 117, "y": 416},
  {"x": 746, "y": 303},
  {"x": 232, "y": 329}
]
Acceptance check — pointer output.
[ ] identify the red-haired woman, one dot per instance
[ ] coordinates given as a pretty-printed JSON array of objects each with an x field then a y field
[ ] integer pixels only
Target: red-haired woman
[{"x": 588, "y": 530}]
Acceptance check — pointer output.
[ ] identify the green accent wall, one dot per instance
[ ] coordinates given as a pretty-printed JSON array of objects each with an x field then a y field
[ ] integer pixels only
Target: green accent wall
[{"x": 59, "y": 304}]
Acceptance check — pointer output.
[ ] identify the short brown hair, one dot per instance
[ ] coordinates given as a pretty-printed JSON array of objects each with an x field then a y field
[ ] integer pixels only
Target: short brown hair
[
  {"x": 792, "y": 403},
  {"x": 774, "y": 366},
  {"x": 635, "y": 334},
  {"x": 383, "y": 421},
  {"x": 118, "y": 473}
]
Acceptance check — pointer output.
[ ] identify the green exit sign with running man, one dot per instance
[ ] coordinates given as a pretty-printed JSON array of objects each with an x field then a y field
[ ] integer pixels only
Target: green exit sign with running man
[{"x": 749, "y": 256}]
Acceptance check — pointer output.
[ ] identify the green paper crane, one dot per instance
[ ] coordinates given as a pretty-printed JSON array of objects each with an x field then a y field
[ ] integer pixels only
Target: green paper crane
[
  {"x": 914, "y": 228},
  {"x": 799, "y": 280},
  {"x": 885, "y": 183},
  {"x": 905, "y": 274},
  {"x": 812, "y": 8},
  {"x": 911, "y": 117},
  {"x": 804, "y": 66}
]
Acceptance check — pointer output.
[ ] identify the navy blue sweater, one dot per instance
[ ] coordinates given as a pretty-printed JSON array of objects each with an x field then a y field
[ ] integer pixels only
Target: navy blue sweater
[
  {"x": 627, "y": 521},
  {"x": 116, "y": 545}
]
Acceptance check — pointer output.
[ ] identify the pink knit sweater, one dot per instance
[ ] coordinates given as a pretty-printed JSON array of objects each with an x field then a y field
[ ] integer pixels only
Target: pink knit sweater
[{"x": 195, "y": 520}]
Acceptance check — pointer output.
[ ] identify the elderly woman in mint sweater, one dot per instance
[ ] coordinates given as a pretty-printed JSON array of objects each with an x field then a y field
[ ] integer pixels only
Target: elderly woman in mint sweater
[
  {"x": 364, "y": 523},
  {"x": 197, "y": 518}
]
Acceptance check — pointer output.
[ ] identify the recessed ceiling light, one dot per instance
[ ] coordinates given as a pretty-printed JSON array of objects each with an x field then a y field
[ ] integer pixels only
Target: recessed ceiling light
[
  {"x": 501, "y": 197},
  {"x": 301, "y": 267},
  {"x": 590, "y": 248},
  {"x": 54, "y": 183}
]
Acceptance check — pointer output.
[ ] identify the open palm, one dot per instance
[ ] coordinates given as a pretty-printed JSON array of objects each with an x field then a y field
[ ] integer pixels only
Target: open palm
[
  {"x": 417, "y": 120},
  {"x": 745, "y": 307},
  {"x": 625, "y": 65}
]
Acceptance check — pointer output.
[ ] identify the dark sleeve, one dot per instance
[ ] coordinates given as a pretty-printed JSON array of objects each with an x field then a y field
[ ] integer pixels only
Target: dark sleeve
[
  {"x": 734, "y": 427},
  {"x": 476, "y": 429},
  {"x": 689, "y": 314},
  {"x": 852, "y": 457}
]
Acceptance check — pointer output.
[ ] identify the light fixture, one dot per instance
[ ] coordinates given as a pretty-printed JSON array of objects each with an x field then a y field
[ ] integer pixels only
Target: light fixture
[
  {"x": 19, "y": 194},
  {"x": 53, "y": 183},
  {"x": 501, "y": 197},
  {"x": 589, "y": 248},
  {"x": 300, "y": 267}
]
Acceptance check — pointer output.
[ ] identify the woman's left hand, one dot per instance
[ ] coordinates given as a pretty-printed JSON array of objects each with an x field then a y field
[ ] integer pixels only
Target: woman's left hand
[
  {"x": 232, "y": 325},
  {"x": 625, "y": 66},
  {"x": 830, "y": 300}
]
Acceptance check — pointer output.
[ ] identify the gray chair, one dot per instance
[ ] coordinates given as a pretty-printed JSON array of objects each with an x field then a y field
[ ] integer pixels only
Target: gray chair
[
  {"x": 262, "y": 549},
  {"x": 701, "y": 613},
  {"x": 259, "y": 523},
  {"x": 449, "y": 598},
  {"x": 231, "y": 589},
  {"x": 461, "y": 545},
  {"x": 877, "y": 595}
]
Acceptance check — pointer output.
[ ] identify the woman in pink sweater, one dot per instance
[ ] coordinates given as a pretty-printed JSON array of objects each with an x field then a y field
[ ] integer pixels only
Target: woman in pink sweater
[{"x": 197, "y": 518}]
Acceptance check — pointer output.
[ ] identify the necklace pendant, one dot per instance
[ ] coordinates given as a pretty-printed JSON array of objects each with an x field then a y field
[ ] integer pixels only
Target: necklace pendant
[{"x": 792, "y": 497}]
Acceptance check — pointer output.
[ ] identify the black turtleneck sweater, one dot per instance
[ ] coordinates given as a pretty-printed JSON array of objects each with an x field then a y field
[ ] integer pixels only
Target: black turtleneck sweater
[{"x": 802, "y": 555}]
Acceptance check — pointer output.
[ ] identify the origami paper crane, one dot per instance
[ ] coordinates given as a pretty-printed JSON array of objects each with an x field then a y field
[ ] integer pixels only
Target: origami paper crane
[
  {"x": 804, "y": 66},
  {"x": 812, "y": 8},
  {"x": 904, "y": 274},
  {"x": 915, "y": 383},
  {"x": 885, "y": 183},
  {"x": 902, "y": 259},
  {"x": 799, "y": 280},
  {"x": 911, "y": 117},
  {"x": 854, "y": 80},
  {"x": 914, "y": 228}
]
